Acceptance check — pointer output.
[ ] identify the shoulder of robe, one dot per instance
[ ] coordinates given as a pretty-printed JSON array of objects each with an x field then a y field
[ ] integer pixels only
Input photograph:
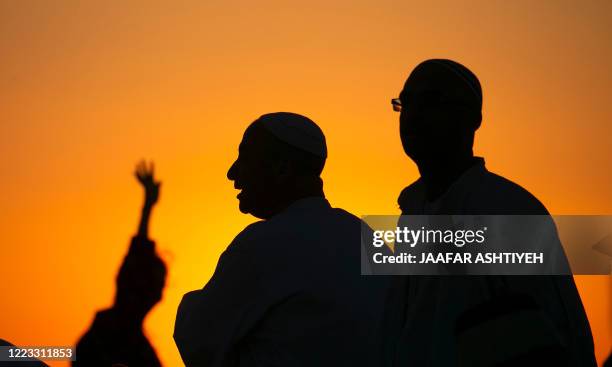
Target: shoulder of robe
[
  {"x": 498, "y": 195},
  {"x": 410, "y": 194},
  {"x": 257, "y": 238},
  {"x": 346, "y": 217},
  {"x": 248, "y": 235}
]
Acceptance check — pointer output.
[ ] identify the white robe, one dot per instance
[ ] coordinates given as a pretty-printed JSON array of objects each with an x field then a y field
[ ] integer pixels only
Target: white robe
[
  {"x": 423, "y": 310},
  {"x": 287, "y": 292}
]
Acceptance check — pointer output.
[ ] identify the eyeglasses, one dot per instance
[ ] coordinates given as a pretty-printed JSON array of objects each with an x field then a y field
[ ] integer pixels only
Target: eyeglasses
[
  {"x": 425, "y": 99},
  {"x": 397, "y": 104},
  {"x": 429, "y": 100}
]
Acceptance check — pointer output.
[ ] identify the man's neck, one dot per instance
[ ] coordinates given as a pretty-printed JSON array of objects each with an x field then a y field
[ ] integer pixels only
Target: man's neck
[
  {"x": 297, "y": 196},
  {"x": 300, "y": 190},
  {"x": 438, "y": 176}
]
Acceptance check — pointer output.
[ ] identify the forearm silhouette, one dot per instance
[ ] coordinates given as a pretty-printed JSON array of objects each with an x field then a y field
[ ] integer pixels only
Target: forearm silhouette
[
  {"x": 116, "y": 336},
  {"x": 145, "y": 175}
]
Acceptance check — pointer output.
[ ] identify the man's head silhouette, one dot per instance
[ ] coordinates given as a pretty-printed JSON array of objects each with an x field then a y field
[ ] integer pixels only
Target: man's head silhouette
[
  {"x": 280, "y": 159},
  {"x": 441, "y": 105}
]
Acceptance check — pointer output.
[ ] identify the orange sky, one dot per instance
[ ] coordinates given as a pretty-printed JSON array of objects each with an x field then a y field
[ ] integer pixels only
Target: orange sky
[{"x": 89, "y": 88}]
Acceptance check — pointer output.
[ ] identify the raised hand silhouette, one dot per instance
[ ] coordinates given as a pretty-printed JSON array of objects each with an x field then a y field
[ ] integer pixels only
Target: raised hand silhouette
[
  {"x": 116, "y": 336},
  {"x": 145, "y": 174}
]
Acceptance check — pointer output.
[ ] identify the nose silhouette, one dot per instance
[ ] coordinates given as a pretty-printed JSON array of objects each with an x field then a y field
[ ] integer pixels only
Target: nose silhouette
[{"x": 231, "y": 173}]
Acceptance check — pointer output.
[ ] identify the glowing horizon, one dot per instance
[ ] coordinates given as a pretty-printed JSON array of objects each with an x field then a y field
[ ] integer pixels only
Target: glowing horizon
[{"x": 89, "y": 89}]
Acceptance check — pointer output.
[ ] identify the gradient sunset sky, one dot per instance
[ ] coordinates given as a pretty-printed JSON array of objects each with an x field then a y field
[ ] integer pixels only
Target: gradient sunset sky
[{"x": 88, "y": 88}]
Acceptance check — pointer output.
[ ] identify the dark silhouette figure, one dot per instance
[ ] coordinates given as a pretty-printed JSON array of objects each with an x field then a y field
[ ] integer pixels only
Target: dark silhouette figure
[
  {"x": 472, "y": 320},
  {"x": 287, "y": 291},
  {"x": 116, "y": 336}
]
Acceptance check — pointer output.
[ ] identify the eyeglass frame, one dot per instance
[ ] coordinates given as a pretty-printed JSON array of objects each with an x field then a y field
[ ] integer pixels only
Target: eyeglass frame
[{"x": 397, "y": 103}]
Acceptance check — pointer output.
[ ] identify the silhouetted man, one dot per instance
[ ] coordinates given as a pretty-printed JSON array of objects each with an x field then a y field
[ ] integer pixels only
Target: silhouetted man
[
  {"x": 287, "y": 291},
  {"x": 116, "y": 336},
  {"x": 444, "y": 317}
]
